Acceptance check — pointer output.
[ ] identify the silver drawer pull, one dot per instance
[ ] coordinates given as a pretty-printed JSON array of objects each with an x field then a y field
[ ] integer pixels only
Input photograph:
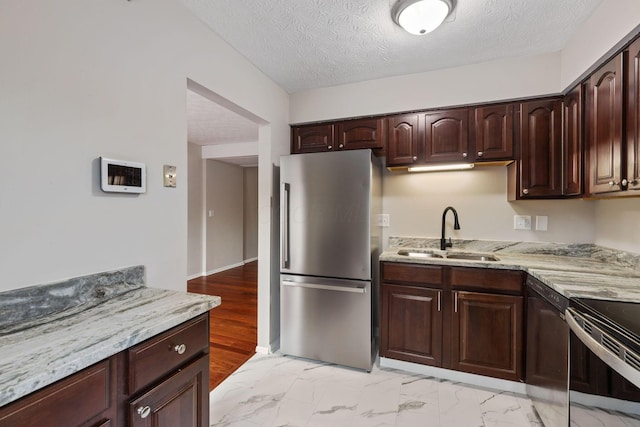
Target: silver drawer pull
[
  {"x": 144, "y": 411},
  {"x": 180, "y": 349}
]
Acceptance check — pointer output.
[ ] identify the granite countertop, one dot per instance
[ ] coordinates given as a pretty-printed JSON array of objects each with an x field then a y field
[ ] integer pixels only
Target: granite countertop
[
  {"x": 573, "y": 270},
  {"x": 77, "y": 323}
]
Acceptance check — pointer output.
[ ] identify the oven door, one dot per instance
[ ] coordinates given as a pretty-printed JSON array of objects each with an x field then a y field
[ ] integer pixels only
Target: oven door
[{"x": 601, "y": 393}]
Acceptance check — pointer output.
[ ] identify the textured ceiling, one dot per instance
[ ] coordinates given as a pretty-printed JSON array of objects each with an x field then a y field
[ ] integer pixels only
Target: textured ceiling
[
  {"x": 304, "y": 44},
  {"x": 209, "y": 123}
]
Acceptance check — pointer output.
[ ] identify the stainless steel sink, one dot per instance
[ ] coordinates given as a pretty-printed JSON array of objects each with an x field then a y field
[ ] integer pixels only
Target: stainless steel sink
[
  {"x": 473, "y": 257},
  {"x": 418, "y": 254},
  {"x": 448, "y": 255}
]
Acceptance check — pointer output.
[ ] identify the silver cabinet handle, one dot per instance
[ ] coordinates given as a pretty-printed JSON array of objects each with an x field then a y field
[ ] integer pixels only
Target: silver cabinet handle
[
  {"x": 464, "y": 155},
  {"x": 415, "y": 158},
  {"x": 455, "y": 302},
  {"x": 525, "y": 191},
  {"x": 180, "y": 348},
  {"x": 624, "y": 182},
  {"x": 144, "y": 411},
  {"x": 323, "y": 287},
  {"x": 612, "y": 183},
  {"x": 439, "y": 301},
  {"x": 341, "y": 146},
  {"x": 480, "y": 153},
  {"x": 329, "y": 147}
]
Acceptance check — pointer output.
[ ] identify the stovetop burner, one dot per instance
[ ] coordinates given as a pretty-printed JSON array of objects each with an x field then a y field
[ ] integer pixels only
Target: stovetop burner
[{"x": 621, "y": 318}]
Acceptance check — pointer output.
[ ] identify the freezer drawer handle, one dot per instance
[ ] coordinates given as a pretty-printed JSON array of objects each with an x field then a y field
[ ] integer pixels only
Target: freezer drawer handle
[{"x": 325, "y": 287}]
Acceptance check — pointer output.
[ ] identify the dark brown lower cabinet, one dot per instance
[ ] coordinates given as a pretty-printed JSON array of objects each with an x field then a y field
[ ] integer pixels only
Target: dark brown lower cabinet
[
  {"x": 487, "y": 334},
  {"x": 441, "y": 317},
  {"x": 413, "y": 324},
  {"x": 180, "y": 400},
  {"x": 84, "y": 399},
  {"x": 161, "y": 382}
]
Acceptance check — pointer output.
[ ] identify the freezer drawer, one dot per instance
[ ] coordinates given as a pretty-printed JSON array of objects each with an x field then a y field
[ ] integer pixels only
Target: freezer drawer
[{"x": 326, "y": 319}]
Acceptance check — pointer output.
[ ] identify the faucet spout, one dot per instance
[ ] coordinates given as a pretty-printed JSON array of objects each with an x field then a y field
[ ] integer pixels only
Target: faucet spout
[{"x": 456, "y": 226}]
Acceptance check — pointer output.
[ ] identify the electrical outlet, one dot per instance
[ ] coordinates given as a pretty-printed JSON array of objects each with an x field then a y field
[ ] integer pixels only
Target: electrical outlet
[
  {"x": 522, "y": 222},
  {"x": 383, "y": 220},
  {"x": 542, "y": 222}
]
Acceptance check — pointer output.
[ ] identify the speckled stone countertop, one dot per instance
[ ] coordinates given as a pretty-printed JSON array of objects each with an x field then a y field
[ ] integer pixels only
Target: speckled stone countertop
[
  {"x": 50, "y": 332},
  {"x": 573, "y": 270}
]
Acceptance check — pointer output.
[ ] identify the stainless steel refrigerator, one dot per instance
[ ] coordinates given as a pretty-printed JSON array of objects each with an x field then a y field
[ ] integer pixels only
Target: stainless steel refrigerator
[{"x": 329, "y": 251}]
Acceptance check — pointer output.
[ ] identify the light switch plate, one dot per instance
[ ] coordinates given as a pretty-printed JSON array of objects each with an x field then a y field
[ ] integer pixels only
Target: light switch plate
[
  {"x": 169, "y": 176},
  {"x": 542, "y": 223}
]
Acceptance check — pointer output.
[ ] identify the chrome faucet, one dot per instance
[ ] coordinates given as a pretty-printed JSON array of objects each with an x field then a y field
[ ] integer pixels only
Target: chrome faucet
[{"x": 456, "y": 226}]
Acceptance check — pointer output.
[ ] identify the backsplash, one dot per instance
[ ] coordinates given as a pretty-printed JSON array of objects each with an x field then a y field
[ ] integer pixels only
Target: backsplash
[
  {"x": 578, "y": 250},
  {"x": 23, "y": 308}
]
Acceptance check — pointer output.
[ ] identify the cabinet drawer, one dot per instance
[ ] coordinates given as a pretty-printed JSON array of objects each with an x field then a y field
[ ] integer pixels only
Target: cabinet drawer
[
  {"x": 73, "y": 401},
  {"x": 411, "y": 273},
  {"x": 482, "y": 279},
  {"x": 158, "y": 356}
]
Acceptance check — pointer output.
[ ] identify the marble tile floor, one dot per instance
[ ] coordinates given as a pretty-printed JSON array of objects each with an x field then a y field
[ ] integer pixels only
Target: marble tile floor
[{"x": 276, "y": 390}]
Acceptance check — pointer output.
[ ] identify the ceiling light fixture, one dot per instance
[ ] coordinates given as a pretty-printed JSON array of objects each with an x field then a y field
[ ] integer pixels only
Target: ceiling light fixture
[
  {"x": 420, "y": 16},
  {"x": 440, "y": 168}
]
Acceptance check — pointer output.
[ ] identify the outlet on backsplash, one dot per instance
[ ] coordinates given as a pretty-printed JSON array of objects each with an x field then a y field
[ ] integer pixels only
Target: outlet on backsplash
[{"x": 522, "y": 222}]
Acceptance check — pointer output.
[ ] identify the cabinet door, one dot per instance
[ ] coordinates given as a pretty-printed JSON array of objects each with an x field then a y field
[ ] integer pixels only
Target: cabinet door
[
  {"x": 86, "y": 398},
  {"x": 446, "y": 136},
  {"x": 540, "y": 149},
  {"x": 311, "y": 139},
  {"x": 361, "y": 133},
  {"x": 402, "y": 140},
  {"x": 633, "y": 116},
  {"x": 411, "y": 327},
  {"x": 605, "y": 127},
  {"x": 180, "y": 400},
  {"x": 493, "y": 139},
  {"x": 572, "y": 143},
  {"x": 487, "y": 334}
]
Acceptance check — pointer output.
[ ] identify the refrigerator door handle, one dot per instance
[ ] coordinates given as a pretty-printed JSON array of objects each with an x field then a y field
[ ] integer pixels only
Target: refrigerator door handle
[
  {"x": 356, "y": 290},
  {"x": 284, "y": 226}
]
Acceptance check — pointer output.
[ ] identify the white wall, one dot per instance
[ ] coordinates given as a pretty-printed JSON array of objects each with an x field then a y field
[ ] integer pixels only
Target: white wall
[
  {"x": 250, "y": 247},
  {"x": 225, "y": 229},
  {"x": 489, "y": 81},
  {"x": 415, "y": 203},
  {"x": 195, "y": 211},
  {"x": 83, "y": 79},
  {"x": 617, "y": 224},
  {"x": 608, "y": 24}
]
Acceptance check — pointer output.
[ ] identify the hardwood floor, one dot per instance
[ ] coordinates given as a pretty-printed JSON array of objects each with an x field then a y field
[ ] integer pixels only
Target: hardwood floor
[{"x": 233, "y": 335}]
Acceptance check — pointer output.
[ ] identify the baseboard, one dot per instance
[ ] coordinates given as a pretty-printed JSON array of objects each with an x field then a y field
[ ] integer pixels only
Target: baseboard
[
  {"x": 456, "y": 376},
  {"x": 272, "y": 348},
  {"x": 225, "y": 268},
  {"x": 247, "y": 261}
]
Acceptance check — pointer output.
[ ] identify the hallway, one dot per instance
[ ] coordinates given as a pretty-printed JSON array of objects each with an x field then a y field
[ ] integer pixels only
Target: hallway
[{"x": 233, "y": 331}]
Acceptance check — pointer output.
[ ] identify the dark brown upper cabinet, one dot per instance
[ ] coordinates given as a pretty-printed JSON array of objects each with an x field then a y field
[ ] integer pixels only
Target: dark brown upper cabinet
[
  {"x": 538, "y": 171},
  {"x": 604, "y": 127},
  {"x": 402, "y": 140},
  {"x": 633, "y": 116},
  {"x": 341, "y": 135},
  {"x": 360, "y": 133},
  {"x": 493, "y": 133},
  {"x": 572, "y": 145},
  {"x": 446, "y": 136},
  {"x": 312, "y": 138}
]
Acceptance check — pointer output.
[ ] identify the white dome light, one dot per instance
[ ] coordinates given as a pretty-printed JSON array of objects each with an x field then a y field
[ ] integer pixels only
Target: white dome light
[{"x": 420, "y": 16}]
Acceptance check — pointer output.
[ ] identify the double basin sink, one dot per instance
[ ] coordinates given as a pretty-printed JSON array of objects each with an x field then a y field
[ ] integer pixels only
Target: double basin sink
[{"x": 467, "y": 256}]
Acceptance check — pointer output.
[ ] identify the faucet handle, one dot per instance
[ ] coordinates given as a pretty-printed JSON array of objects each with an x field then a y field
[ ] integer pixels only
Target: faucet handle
[{"x": 448, "y": 243}]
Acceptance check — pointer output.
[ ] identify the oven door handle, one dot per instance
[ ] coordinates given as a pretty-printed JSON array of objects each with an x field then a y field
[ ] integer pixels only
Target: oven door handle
[{"x": 610, "y": 358}]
